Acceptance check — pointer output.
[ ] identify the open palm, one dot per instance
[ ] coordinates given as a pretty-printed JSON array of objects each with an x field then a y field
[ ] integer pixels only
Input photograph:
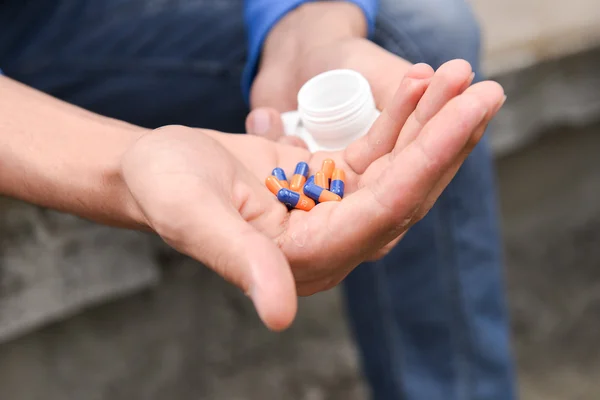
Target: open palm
[{"x": 204, "y": 192}]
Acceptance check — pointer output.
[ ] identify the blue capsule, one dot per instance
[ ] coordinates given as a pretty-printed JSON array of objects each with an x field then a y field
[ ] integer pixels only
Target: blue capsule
[
  {"x": 318, "y": 194},
  {"x": 337, "y": 187},
  {"x": 288, "y": 197},
  {"x": 301, "y": 169},
  {"x": 279, "y": 174},
  {"x": 295, "y": 200},
  {"x": 337, "y": 182},
  {"x": 299, "y": 177}
]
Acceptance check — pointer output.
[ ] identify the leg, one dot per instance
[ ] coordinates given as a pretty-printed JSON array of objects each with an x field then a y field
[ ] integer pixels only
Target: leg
[
  {"x": 148, "y": 62},
  {"x": 430, "y": 317}
]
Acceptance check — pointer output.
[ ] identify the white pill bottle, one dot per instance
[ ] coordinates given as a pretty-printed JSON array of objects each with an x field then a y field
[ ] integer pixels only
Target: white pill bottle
[{"x": 334, "y": 109}]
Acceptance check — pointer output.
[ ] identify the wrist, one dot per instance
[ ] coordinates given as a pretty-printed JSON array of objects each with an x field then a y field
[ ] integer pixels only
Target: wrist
[
  {"x": 285, "y": 62},
  {"x": 59, "y": 156},
  {"x": 311, "y": 25},
  {"x": 111, "y": 183},
  {"x": 92, "y": 184}
]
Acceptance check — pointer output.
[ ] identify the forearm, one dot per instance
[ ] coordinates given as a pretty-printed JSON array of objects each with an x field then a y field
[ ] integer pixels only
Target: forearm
[{"x": 59, "y": 156}]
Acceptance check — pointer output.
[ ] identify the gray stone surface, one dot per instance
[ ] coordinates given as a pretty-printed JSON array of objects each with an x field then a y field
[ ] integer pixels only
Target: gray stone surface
[
  {"x": 546, "y": 53},
  {"x": 193, "y": 337},
  {"x": 521, "y": 33},
  {"x": 559, "y": 91},
  {"x": 551, "y": 207},
  {"x": 53, "y": 265}
]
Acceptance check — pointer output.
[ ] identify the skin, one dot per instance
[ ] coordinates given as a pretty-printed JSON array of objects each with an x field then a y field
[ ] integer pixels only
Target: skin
[{"x": 203, "y": 191}]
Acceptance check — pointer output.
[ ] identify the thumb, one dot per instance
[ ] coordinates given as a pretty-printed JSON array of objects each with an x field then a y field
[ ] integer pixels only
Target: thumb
[
  {"x": 234, "y": 249},
  {"x": 266, "y": 122}
]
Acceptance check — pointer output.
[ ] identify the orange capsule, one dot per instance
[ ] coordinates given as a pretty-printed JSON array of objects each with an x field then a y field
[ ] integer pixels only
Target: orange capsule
[
  {"x": 338, "y": 181},
  {"x": 328, "y": 167},
  {"x": 321, "y": 180},
  {"x": 273, "y": 184}
]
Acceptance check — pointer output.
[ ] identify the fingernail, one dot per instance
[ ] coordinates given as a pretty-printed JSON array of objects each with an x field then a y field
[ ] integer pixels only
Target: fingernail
[
  {"x": 468, "y": 82},
  {"x": 261, "y": 122}
]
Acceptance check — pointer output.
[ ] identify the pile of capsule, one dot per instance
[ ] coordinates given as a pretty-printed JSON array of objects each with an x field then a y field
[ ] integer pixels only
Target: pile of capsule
[{"x": 302, "y": 192}]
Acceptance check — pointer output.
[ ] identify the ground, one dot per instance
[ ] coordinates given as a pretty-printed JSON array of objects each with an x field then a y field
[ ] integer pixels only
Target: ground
[{"x": 551, "y": 207}]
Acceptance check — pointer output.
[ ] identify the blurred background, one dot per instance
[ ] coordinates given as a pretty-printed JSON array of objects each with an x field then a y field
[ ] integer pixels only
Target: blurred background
[{"x": 88, "y": 312}]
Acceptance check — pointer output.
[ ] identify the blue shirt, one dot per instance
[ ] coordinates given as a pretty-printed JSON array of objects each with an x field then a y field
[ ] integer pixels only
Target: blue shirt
[{"x": 262, "y": 15}]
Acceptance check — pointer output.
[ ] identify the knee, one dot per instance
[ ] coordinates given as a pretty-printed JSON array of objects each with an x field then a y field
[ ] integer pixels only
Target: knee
[{"x": 431, "y": 31}]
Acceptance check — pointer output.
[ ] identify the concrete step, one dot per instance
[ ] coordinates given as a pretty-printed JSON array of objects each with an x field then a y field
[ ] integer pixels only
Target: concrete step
[
  {"x": 520, "y": 34},
  {"x": 546, "y": 54}
]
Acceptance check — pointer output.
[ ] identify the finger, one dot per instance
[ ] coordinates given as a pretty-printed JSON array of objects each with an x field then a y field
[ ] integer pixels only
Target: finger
[
  {"x": 265, "y": 122},
  {"x": 222, "y": 240},
  {"x": 383, "y": 134},
  {"x": 386, "y": 207},
  {"x": 450, "y": 80},
  {"x": 488, "y": 91}
]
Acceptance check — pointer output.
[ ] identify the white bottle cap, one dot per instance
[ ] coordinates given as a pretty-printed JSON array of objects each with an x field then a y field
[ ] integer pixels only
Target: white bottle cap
[{"x": 335, "y": 108}]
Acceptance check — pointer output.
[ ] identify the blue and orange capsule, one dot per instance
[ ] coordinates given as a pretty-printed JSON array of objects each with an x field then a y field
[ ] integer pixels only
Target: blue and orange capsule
[
  {"x": 319, "y": 194},
  {"x": 321, "y": 180},
  {"x": 280, "y": 174},
  {"x": 291, "y": 199},
  {"x": 327, "y": 167},
  {"x": 338, "y": 182},
  {"x": 295, "y": 200},
  {"x": 273, "y": 184},
  {"x": 299, "y": 178}
]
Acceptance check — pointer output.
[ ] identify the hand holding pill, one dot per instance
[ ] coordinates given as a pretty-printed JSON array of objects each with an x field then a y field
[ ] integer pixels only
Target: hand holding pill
[{"x": 212, "y": 195}]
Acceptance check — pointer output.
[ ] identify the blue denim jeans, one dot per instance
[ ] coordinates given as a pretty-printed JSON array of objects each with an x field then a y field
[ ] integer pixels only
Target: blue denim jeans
[{"x": 430, "y": 318}]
